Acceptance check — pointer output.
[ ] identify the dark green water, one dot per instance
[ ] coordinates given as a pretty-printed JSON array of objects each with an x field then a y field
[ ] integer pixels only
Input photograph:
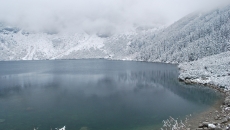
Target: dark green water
[{"x": 98, "y": 94}]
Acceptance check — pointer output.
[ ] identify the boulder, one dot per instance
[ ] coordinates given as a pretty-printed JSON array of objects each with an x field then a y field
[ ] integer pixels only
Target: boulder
[
  {"x": 211, "y": 126},
  {"x": 205, "y": 124},
  {"x": 200, "y": 125},
  {"x": 227, "y": 100},
  {"x": 225, "y": 120}
]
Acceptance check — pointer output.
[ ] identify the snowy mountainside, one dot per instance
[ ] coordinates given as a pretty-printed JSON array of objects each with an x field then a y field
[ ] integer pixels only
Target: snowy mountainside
[
  {"x": 18, "y": 44},
  {"x": 22, "y": 45},
  {"x": 214, "y": 70},
  {"x": 197, "y": 35},
  {"x": 124, "y": 47}
]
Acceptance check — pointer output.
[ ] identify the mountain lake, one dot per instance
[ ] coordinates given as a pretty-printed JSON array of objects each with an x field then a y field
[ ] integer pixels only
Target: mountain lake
[{"x": 95, "y": 94}]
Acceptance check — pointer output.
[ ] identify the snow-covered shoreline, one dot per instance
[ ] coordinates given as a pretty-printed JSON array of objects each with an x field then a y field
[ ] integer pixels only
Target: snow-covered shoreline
[{"x": 214, "y": 72}]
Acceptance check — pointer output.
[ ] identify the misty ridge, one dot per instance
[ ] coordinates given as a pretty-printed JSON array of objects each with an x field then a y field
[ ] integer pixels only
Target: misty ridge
[
  {"x": 155, "y": 31},
  {"x": 102, "y": 17}
]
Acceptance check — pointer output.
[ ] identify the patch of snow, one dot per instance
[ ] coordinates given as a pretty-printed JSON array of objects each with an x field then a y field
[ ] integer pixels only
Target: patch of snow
[
  {"x": 62, "y": 128},
  {"x": 212, "y": 126}
]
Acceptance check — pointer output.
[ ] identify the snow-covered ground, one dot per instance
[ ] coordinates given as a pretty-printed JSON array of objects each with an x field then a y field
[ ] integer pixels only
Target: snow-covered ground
[{"x": 213, "y": 70}]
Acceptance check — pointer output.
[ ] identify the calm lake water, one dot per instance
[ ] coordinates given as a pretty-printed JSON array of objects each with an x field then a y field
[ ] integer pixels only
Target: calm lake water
[{"x": 97, "y": 94}]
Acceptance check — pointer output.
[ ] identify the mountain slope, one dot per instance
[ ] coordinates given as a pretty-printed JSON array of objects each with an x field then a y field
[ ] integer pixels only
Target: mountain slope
[
  {"x": 22, "y": 45},
  {"x": 18, "y": 44},
  {"x": 194, "y": 36}
]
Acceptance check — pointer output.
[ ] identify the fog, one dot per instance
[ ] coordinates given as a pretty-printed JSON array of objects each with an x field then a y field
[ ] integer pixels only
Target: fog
[{"x": 97, "y": 16}]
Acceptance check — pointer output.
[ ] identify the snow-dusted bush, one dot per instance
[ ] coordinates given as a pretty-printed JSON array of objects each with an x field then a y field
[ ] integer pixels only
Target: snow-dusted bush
[{"x": 173, "y": 124}]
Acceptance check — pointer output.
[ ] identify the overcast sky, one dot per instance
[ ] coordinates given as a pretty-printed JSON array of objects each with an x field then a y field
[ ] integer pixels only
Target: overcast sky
[{"x": 97, "y": 15}]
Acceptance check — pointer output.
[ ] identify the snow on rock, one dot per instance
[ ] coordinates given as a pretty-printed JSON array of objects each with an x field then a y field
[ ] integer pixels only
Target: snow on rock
[
  {"x": 212, "y": 126},
  {"x": 62, "y": 128},
  {"x": 213, "y": 70}
]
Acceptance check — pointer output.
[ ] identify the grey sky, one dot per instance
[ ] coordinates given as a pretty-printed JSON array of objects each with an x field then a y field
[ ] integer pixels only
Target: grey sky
[{"x": 96, "y": 15}]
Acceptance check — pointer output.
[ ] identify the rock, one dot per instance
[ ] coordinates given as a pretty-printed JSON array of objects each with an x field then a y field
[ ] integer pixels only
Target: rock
[
  {"x": 217, "y": 118},
  {"x": 203, "y": 77},
  {"x": 218, "y": 129},
  {"x": 211, "y": 126},
  {"x": 2, "y": 120},
  {"x": 225, "y": 120},
  {"x": 227, "y": 93},
  {"x": 223, "y": 87},
  {"x": 215, "y": 123},
  {"x": 205, "y": 124},
  {"x": 200, "y": 125},
  {"x": 227, "y": 101}
]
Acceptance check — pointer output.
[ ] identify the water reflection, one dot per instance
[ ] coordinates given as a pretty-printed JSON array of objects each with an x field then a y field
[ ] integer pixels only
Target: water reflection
[
  {"x": 104, "y": 84},
  {"x": 99, "y": 94}
]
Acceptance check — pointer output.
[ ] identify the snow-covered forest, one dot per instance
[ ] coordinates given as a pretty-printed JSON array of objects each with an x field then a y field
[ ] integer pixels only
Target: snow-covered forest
[{"x": 195, "y": 36}]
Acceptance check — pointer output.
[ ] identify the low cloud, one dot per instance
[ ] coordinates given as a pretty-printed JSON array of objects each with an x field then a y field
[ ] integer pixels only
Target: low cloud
[{"x": 97, "y": 16}]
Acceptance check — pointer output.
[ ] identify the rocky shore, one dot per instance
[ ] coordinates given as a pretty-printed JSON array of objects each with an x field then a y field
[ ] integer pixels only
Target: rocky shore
[
  {"x": 214, "y": 72},
  {"x": 217, "y": 117}
]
